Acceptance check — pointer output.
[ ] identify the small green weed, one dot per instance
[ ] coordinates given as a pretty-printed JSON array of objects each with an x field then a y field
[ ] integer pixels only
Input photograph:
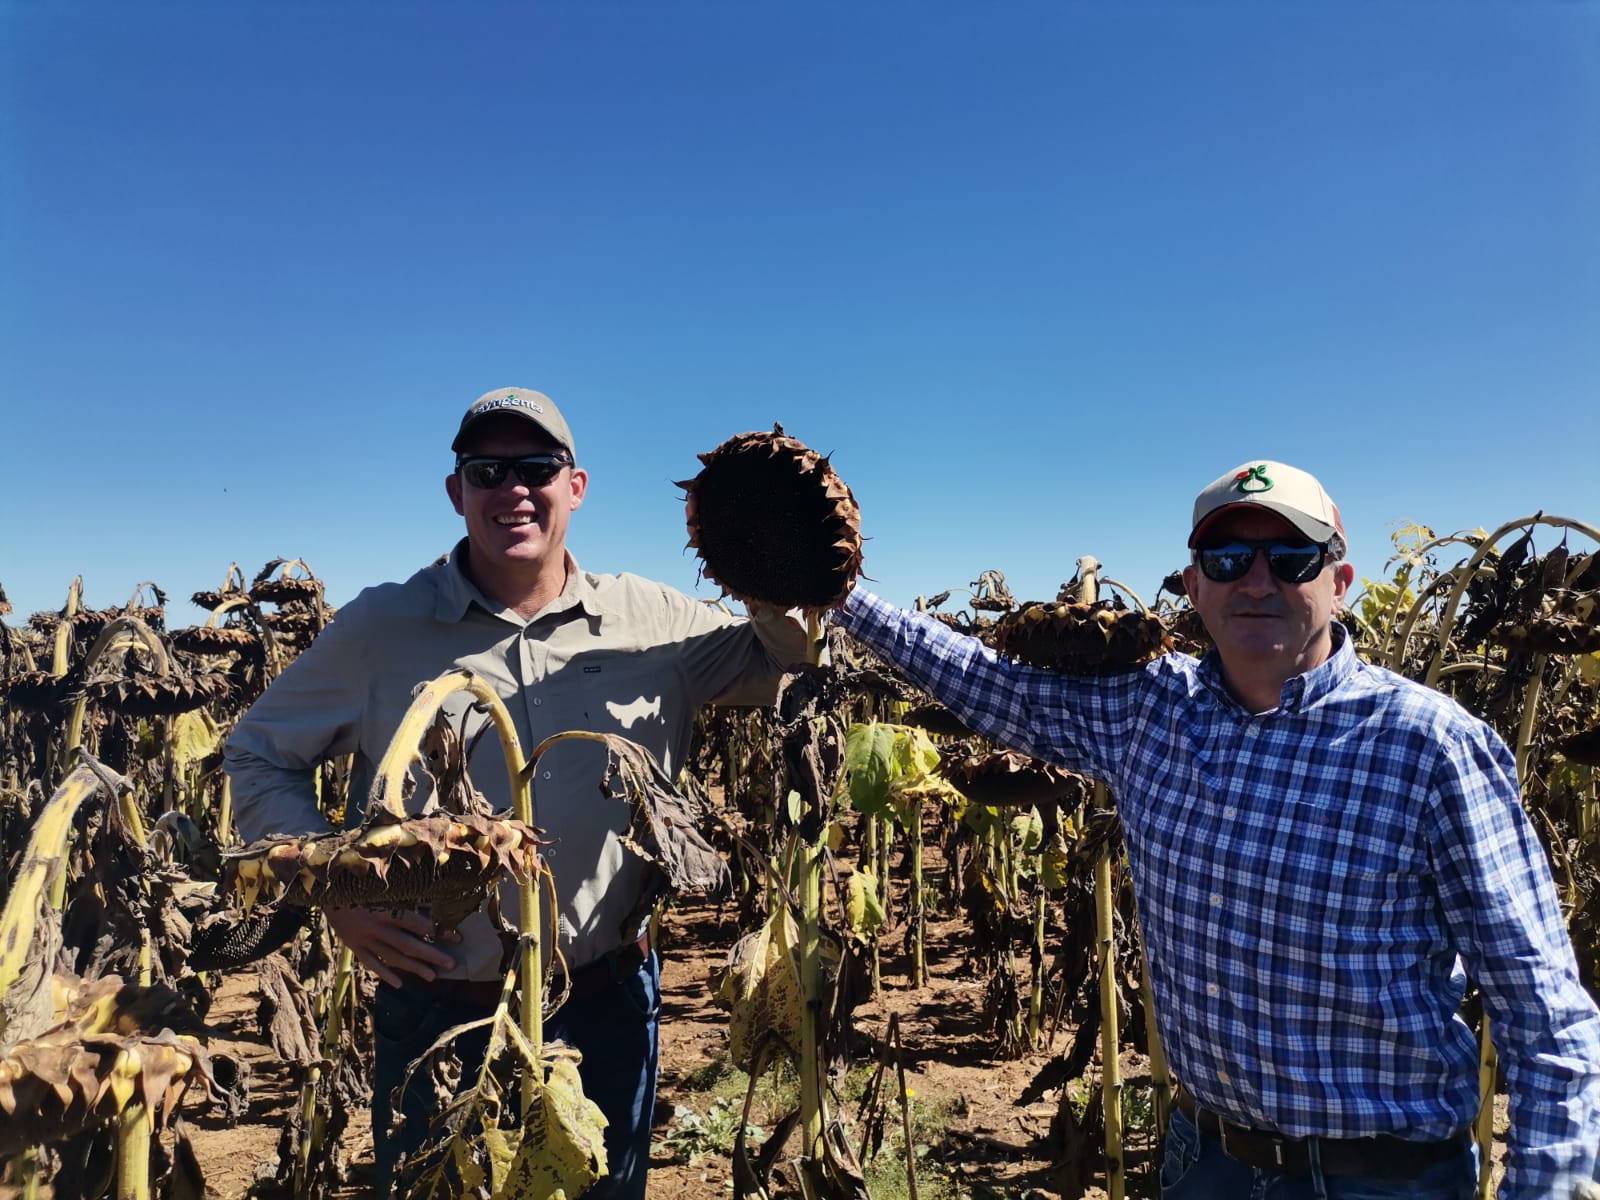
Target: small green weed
[{"x": 694, "y": 1133}]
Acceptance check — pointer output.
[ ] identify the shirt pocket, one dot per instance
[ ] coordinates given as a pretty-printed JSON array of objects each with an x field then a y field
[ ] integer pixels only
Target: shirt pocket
[{"x": 632, "y": 694}]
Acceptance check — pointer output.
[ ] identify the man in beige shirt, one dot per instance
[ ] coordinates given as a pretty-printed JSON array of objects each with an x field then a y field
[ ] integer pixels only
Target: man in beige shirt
[{"x": 565, "y": 650}]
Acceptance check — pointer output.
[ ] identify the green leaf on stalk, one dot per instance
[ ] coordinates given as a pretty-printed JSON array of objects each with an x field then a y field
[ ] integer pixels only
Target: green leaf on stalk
[
  {"x": 882, "y": 761},
  {"x": 864, "y": 907},
  {"x": 1027, "y": 831},
  {"x": 869, "y": 757},
  {"x": 1055, "y": 863}
]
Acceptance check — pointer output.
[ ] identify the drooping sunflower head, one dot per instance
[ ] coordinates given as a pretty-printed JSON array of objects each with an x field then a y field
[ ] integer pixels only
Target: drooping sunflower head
[
  {"x": 1080, "y": 639},
  {"x": 772, "y": 521}
]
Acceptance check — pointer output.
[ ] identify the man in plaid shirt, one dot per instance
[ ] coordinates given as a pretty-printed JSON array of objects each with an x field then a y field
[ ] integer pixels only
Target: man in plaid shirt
[{"x": 1324, "y": 853}]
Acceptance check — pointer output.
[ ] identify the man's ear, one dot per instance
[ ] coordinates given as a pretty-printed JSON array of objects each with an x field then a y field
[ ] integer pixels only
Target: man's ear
[
  {"x": 1189, "y": 582},
  {"x": 580, "y": 487},
  {"x": 452, "y": 485},
  {"x": 1344, "y": 575}
]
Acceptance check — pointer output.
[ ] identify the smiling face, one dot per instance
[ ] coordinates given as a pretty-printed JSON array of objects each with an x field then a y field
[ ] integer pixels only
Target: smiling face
[
  {"x": 1266, "y": 631},
  {"x": 516, "y": 535}
]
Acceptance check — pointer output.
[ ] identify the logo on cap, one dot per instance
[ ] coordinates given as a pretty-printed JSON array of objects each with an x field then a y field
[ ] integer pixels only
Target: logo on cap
[
  {"x": 511, "y": 401},
  {"x": 1252, "y": 479}
]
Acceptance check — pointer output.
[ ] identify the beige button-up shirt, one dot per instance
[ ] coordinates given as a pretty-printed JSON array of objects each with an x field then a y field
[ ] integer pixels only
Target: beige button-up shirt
[{"x": 613, "y": 653}]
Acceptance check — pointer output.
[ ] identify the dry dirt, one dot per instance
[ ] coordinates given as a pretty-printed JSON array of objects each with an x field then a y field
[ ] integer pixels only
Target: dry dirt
[{"x": 993, "y": 1145}]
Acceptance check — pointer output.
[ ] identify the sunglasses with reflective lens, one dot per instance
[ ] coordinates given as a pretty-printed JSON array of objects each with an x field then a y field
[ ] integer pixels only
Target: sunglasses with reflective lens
[
  {"x": 1292, "y": 562},
  {"x": 532, "y": 470}
]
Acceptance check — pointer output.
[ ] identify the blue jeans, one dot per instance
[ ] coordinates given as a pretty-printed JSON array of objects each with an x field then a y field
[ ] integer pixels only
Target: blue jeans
[
  {"x": 615, "y": 1030},
  {"x": 1195, "y": 1168}
]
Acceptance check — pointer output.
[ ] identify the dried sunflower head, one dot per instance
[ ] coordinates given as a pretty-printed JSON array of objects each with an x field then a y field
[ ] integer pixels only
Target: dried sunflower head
[
  {"x": 216, "y": 639},
  {"x": 1582, "y": 747},
  {"x": 33, "y": 691},
  {"x": 444, "y": 861},
  {"x": 159, "y": 695},
  {"x": 1567, "y": 624},
  {"x": 773, "y": 522},
  {"x": 1007, "y": 779},
  {"x": 285, "y": 589},
  {"x": 1079, "y": 639}
]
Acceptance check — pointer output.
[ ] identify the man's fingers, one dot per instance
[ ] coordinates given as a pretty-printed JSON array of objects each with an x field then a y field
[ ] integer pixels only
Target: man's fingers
[{"x": 391, "y": 943}]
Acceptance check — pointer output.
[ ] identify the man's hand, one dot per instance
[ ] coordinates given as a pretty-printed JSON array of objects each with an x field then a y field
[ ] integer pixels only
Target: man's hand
[{"x": 389, "y": 943}]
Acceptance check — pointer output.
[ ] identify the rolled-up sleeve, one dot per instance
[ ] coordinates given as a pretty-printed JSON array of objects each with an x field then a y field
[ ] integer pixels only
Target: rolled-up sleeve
[
  {"x": 734, "y": 661},
  {"x": 310, "y": 713}
]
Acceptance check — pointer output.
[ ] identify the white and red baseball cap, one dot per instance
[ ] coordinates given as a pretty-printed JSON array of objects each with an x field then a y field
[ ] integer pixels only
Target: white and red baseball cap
[{"x": 1291, "y": 493}]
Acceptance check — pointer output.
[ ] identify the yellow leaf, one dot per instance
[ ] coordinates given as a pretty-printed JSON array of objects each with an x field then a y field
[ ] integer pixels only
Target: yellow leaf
[
  {"x": 563, "y": 1148},
  {"x": 194, "y": 736}
]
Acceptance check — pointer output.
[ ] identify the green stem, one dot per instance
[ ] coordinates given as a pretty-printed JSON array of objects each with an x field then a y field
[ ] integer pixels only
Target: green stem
[
  {"x": 869, "y": 853},
  {"x": 1036, "y": 993},
  {"x": 811, "y": 1107},
  {"x": 133, "y": 1152},
  {"x": 1160, "y": 1074},
  {"x": 918, "y": 914}
]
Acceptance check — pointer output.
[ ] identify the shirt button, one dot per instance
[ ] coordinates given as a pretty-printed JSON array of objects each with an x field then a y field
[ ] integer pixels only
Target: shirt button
[
  {"x": 1213, "y": 990},
  {"x": 1216, "y": 899},
  {"x": 1230, "y": 812},
  {"x": 537, "y": 701},
  {"x": 547, "y": 775},
  {"x": 1222, "y": 1077},
  {"x": 1251, "y": 730}
]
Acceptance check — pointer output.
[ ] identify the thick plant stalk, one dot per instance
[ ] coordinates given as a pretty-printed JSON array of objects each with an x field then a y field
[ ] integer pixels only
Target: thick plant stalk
[
  {"x": 1105, "y": 935},
  {"x": 28, "y": 1173},
  {"x": 42, "y": 863},
  {"x": 1483, "y": 1127},
  {"x": 133, "y": 1152},
  {"x": 314, "y": 1123},
  {"x": 120, "y": 634},
  {"x": 812, "y": 1113},
  {"x": 135, "y": 1121},
  {"x": 1160, "y": 1074},
  {"x": 885, "y": 827},
  {"x": 1530, "y": 712},
  {"x": 225, "y": 811},
  {"x": 1036, "y": 992},
  {"x": 388, "y": 790},
  {"x": 869, "y": 854},
  {"x": 43, "y": 873},
  {"x": 918, "y": 913},
  {"x": 811, "y": 1099},
  {"x": 61, "y": 647},
  {"x": 527, "y": 976},
  {"x": 1110, "y": 1068}
]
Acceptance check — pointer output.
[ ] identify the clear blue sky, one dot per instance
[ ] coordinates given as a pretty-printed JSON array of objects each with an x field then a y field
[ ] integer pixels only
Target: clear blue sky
[{"x": 1033, "y": 273}]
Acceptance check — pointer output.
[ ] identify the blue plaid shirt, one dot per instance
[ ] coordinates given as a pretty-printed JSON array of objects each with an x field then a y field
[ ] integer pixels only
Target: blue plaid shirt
[{"x": 1311, "y": 881}]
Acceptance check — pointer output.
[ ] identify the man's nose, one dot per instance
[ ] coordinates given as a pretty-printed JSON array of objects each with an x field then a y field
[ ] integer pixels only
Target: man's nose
[{"x": 1259, "y": 578}]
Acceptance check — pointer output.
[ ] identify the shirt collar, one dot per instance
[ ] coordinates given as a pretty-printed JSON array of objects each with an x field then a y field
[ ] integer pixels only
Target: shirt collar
[
  {"x": 455, "y": 592},
  {"x": 1302, "y": 691}
]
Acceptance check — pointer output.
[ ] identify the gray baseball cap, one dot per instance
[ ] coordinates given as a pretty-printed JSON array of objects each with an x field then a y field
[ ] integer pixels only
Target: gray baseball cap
[{"x": 533, "y": 407}]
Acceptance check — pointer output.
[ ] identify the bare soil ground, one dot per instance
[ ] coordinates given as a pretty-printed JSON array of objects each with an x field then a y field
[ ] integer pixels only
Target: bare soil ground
[
  {"x": 992, "y": 1146},
  {"x": 995, "y": 1141}
]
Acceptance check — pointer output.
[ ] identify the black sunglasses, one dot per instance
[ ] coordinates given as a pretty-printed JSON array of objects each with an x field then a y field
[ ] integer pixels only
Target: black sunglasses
[
  {"x": 533, "y": 470},
  {"x": 1292, "y": 562}
]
